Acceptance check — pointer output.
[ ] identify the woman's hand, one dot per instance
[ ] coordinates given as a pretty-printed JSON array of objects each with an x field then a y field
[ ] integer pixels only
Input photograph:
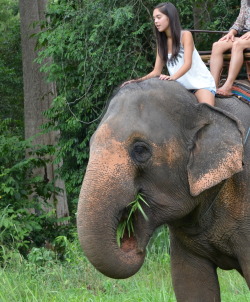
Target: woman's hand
[
  {"x": 246, "y": 36},
  {"x": 229, "y": 36},
  {"x": 166, "y": 77},
  {"x": 128, "y": 82}
]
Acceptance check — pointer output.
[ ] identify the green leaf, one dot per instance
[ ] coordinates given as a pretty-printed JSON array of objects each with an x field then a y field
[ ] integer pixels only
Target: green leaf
[{"x": 127, "y": 225}]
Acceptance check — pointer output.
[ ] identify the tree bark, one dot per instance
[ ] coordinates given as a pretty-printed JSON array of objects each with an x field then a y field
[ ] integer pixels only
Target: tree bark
[
  {"x": 38, "y": 94},
  {"x": 201, "y": 16}
]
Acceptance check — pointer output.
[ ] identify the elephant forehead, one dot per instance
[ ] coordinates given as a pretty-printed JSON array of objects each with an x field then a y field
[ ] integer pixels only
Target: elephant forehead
[
  {"x": 107, "y": 151},
  {"x": 103, "y": 137},
  {"x": 107, "y": 145},
  {"x": 170, "y": 152}
]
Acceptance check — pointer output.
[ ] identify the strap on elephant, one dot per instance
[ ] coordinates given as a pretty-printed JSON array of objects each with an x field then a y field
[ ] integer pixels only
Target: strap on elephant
[{"x": 246, "y": 138}]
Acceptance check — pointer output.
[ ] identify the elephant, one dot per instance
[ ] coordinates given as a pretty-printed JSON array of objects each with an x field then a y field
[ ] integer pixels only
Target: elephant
[{"x": 190, "y": 162}]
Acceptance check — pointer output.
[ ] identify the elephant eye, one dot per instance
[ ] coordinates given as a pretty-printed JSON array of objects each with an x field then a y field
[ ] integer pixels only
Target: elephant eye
[{"x": 140, "y": 152}]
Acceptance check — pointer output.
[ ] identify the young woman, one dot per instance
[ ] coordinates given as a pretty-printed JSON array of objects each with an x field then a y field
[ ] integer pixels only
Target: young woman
[{"x": 176, "y": 50}]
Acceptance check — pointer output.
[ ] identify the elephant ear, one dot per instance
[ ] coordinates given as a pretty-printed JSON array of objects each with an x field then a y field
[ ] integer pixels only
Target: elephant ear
[{"x": 216, "y": 143}]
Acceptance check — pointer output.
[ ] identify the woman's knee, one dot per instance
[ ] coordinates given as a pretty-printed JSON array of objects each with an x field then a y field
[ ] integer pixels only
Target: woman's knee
[
  {"x": 238, "y": 46},
  {"x": 217, "y": 48}
]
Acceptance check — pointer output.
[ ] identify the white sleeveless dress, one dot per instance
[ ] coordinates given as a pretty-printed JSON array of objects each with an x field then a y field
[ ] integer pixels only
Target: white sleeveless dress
[{"x": 197, "y": 77}]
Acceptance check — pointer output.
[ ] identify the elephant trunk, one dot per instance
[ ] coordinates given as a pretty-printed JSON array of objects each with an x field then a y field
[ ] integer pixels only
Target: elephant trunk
[{"x": 104, "y": 196}]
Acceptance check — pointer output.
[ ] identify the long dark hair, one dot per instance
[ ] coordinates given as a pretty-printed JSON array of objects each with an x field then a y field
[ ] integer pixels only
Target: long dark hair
[
  {"x": 248, "y": 2},
  {"x": 171, "y": 12}
]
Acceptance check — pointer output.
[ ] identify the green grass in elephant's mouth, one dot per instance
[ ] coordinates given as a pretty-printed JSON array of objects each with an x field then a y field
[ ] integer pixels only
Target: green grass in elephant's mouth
[{"x": 125, "y": 229}]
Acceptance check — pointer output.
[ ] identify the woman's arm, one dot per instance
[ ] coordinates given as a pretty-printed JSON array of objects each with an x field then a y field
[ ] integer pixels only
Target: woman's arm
[
  {"x": 154, "y": 73},
  {"x": 240, "y": 21}
]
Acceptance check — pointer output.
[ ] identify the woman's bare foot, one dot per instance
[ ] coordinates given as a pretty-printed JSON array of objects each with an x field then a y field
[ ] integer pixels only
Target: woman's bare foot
[{"x": 224, "y": 91}]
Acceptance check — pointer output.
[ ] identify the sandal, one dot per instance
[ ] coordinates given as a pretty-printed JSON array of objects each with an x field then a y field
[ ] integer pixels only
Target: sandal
[{"x": 223, "y": 96}]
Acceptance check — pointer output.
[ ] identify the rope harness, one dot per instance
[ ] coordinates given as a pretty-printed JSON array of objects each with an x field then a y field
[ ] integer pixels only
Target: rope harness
[{"x": 248, "y": 132}]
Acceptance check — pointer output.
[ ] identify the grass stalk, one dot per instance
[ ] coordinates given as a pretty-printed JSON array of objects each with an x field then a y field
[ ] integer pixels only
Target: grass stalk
[{"x": 126, "y": 226}]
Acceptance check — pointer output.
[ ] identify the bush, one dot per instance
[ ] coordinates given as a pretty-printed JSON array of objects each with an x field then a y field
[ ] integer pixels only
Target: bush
[{"x": 23, "y": 195}]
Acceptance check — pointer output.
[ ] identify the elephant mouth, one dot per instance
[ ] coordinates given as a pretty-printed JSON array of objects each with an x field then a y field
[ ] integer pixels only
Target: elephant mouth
[
  {"x": 125, "y": 234},
  {"x": 129, "y": 243},
  {"x": 129, "y": 233}
]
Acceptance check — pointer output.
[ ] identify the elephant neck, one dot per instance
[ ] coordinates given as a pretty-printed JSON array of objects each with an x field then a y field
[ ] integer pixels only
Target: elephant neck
[
  {"x": 211, "y": 203},
  {"x": 202, "y": 217}
]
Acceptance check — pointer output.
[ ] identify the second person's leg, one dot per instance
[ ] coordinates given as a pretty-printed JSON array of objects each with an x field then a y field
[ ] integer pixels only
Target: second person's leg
[
  {"x": 216, "y": 60},
  {"x": 236, "y": 62}
]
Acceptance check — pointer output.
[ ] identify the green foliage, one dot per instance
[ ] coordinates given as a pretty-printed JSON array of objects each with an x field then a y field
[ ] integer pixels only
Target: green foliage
[
  {"x": 68, "y": 248},
  {"x": 24, "y": 195},
  {"x": 15, "y": 228},
  {"x": 159, "y": 243},
  {"x": 213, "y": 15},
  {"x": 126, "y": 225},
  {"x": 208, "y": 15},
  {"x": 18, "y": 181},
  {"x": 91, "y": 56},
  {"x": 41, "y": 256},
  {"x": 11, "y": 89}
]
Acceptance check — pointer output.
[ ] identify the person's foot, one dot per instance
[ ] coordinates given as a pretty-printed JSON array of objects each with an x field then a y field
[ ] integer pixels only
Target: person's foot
[{"x": 224, "y": 91}]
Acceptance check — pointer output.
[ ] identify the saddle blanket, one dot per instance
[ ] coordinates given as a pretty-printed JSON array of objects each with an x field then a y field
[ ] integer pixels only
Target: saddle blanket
[{"x": 242, "y": 91}]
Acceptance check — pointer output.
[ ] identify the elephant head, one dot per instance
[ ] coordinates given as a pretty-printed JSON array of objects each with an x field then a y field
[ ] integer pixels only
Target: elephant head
[{"x": 154, "y": 139}]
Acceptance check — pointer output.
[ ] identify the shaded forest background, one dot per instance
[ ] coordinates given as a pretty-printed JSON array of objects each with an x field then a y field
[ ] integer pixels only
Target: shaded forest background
[{"x": 87, "y": 48}]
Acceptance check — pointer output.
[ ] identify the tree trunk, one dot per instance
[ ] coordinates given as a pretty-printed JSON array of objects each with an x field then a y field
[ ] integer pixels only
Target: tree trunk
[
  {"x": 38, "y": 93},
  {"x": 201, "y": 16}
]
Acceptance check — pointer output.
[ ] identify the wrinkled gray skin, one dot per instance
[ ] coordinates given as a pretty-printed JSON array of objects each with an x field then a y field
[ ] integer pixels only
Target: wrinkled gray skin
[{"x": 186, "y": 159}]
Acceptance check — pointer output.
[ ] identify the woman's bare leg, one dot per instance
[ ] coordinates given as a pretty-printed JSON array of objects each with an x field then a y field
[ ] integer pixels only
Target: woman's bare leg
[
  {"x": 205, "y": 96},
  {"x": 236, "y": 62},
  {"x": 216, "y": 60}
]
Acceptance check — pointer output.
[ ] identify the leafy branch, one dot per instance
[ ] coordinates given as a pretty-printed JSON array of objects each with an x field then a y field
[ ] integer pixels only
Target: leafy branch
[{"x": 127, "y": 224}]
